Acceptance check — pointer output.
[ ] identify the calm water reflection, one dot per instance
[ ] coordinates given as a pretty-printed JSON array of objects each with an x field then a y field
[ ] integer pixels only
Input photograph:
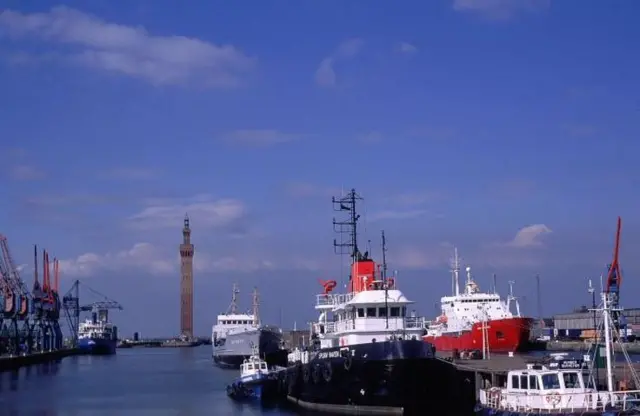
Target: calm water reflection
[{"x": 144, "y": 381}]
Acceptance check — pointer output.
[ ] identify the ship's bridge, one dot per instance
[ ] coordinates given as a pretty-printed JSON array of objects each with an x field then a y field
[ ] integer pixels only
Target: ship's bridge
[{"x": 363, "y": 316}]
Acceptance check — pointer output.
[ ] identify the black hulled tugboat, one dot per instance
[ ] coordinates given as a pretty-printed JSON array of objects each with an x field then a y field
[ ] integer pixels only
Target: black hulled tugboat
[{"x": 367, "y": 354}]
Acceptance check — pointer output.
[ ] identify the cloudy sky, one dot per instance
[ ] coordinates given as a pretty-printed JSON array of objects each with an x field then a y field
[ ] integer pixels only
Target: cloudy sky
[{"x": 507, "y": 128}]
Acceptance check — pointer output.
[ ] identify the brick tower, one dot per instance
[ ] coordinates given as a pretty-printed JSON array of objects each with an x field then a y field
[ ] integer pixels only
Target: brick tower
[{"x": 186, "y": 282}]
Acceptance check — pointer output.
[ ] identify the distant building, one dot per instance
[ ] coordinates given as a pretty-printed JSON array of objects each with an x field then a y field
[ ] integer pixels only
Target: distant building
[
  {"x": 583, "y": 319},
  {"x": 296, "y": 338}
]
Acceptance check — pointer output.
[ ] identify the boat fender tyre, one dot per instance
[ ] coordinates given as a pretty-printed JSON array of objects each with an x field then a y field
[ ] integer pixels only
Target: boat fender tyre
[
  {"x": 327, "y": 372},
  {"x": 316, "y": 373},
  {"x": 348, "y": 362},
  {"x": 306, "y": 373}
]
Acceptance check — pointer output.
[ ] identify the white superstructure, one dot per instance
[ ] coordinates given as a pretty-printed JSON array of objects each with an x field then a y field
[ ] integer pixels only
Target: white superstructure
[
  {"x": 377, "y": 313},
  {"x": 96, "y": 329},
  {"x": 233, "y": 322},
  {"x": 461, "y": 310}
]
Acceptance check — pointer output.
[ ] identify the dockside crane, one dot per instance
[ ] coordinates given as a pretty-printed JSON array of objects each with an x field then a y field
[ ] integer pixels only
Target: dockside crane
[
  {"x": 99, "y": 309},
  {"x": 15, "y": 334},
  {"x": 612, "y": 286},
  {"x": 46, "y": 305}
]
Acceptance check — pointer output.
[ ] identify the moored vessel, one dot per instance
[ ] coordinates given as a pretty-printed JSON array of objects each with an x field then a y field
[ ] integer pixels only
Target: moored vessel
[
  {"x": 474, "y": 320},
  {"x": 96, "y": 335},
  {"x": 236, "y": 336},
  {"x": 366, "y": 355},
  {"x": 256, "y": 381},
  {"x": 563, "y": 391}
]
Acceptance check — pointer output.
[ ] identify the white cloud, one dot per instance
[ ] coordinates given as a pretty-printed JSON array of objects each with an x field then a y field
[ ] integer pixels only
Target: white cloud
[
  {"x": 161, "y": 261},
  {"x": 25, "y": 173},
  {"x": 530, "y": 236},
  {"x": 499, "y": 9},
  {"x": 142, "y": 256},
  {"x": 325, "y": 75},
  {"x": 129, "y": 50},
  {"x": 204, "y": 211},
  {"x": 405, "y": 47},
  {"x": 260, "y": 138}
]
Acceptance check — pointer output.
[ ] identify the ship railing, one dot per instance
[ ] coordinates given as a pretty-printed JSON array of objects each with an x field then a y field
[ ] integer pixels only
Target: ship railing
[
  {"x": 333, "y": 300},
  {"x": 549, "y": 401},
  {"x": 394, "y": 323},
  {"x": 412, "y": 322}
]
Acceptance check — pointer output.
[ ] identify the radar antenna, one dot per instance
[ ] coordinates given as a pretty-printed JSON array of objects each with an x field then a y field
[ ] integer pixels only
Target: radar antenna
[{"x": 348, "y": 226}]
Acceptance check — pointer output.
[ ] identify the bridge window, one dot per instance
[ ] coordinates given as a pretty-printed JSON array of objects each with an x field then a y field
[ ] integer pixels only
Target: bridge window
[
  {"x": 571, "y": 380},
  {"x": 382, "y": 312},
  {"x": 533, "y": 383},
  {"x": 515, "y": 382},
  {"x": 360, "y": 312},
  {"x": 404, "y": 311},
  {"x": 395, "y": 311},
  {"x": 524, "y": 385},
  {"x": 550, "y": 381},
  {"x": 371, "y": 312}
]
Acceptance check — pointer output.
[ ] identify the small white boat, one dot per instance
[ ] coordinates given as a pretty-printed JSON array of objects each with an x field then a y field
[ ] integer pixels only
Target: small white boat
[
  {"x": 542, "y": 390},
  {"x": 256, "y": 381},
  {"x": 557, "y": 389}
]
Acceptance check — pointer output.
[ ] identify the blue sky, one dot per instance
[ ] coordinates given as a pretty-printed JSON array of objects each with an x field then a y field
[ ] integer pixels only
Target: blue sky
[{"x": 507, "y": 128}]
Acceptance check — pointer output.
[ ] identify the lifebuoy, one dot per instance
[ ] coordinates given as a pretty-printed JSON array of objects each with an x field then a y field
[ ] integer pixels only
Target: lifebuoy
[
  {"x": 306, "y": 373},
  {"x": 553, "y": 399},
  {"x": 316, "y": 373},
  {"x": 327, "y": 372},
  {"x": 348, "y": 362}
]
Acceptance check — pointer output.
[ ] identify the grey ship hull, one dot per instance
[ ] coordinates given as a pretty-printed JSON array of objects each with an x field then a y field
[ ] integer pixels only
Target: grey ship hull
[{"x": 229, "y": 352}]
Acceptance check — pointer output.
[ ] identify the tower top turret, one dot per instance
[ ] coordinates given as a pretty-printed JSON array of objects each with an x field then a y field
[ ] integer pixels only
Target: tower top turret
[{"x": 186, "y": 231}]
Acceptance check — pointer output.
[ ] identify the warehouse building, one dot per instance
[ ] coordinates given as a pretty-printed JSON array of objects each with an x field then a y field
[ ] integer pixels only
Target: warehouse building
[{"x": 583, "y": 319}]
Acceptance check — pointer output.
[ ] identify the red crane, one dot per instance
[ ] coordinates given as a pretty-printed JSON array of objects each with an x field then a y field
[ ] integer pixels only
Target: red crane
[{"x": 614, "y": 276}]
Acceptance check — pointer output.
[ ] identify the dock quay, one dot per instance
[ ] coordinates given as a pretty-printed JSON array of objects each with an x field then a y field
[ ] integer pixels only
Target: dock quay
[
  {"x": 161, "y": 343},
  {"x": 14, "y": 362}
]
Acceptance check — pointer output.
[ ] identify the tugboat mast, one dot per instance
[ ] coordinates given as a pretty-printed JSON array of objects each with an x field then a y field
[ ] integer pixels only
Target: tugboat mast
[
  {"x": 348, "y": 227},
  {"x": 384, "y": 257}
]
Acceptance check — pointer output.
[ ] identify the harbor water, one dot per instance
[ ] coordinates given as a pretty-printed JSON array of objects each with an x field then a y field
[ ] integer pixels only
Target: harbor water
[{"x": 135, "y": 381}]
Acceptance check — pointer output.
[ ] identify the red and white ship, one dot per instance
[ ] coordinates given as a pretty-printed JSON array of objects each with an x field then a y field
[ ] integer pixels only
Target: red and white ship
[{"x": 460, "y": 326}]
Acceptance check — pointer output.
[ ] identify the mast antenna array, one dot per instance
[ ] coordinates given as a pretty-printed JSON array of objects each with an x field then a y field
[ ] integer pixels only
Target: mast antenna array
[
  {"x": 384, "y": 257},
  {"x": 348, "y": 227}
]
